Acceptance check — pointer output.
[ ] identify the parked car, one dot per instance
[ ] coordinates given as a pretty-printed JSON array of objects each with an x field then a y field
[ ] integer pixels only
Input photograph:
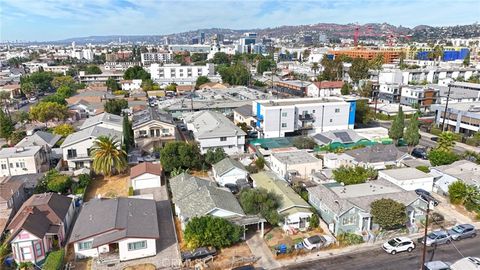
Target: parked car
[
  {"x": 32, "y": 99},
  {"x": 436, "y": 265},
  {"x": 435, "y": 139},
  {"x": 317, "y": 241},
  {"x": 198, "y": 253},
  {"x": 436, "y": 238},
  {"x": 426, "y": 196},
  {"x": 462, "y": 231},
  {"x": 467, "y": 263},
  {"x": 399, "y": 244},
  {"x": 233, "y": 188},
  {"x": 419, "y": 153}
]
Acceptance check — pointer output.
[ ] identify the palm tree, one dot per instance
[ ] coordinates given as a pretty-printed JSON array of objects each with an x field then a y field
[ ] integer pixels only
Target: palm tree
[
  {"x": 315, "y": 68},
  {"x": 446, "y": 141},
  {"x": 108, "y": 156}
]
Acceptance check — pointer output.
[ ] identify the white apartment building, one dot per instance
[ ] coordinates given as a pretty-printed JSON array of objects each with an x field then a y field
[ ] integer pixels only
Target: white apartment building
[
  {"x": 119, "y": 66},
  {"x": 130, "y": 85},
  {"x": 298, "y": 115},
  {"x": 156, "y": 57},
  {"x": 429, "y": 74},
  {"x": 182, "y": 75},
  {"x": 22, "y": 160},
  {"x": 214, "y": 130}
]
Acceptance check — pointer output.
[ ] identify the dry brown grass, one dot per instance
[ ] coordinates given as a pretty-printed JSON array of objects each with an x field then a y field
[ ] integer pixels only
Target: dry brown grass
[
  {"x": 108, "y": 187},
  {"x": 178, "y": 228},
  {"x": 276, "y": 237},
  {"x": 200, "y": 174},
  {"x": 231, "y": 257},
  {"x": 146, "y": 266}
]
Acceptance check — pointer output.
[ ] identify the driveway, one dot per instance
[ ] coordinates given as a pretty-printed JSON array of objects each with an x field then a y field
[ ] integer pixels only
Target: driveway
[{"x": 260, "y": 249}]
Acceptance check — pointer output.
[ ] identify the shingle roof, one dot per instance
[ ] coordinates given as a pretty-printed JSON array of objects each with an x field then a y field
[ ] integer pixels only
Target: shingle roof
[
  {"x": 464, "y": 170},
  {"x": 289, "y": 198},
  {"x": 210, "y": 124},
  {"x": 106, "y": 118},
  {"x": 226, "y": 165},
  {"x": 151, "y": 114},
  {"x": 114, "y": 219},
  {"x": 39, "y": 138},
  {"x": 376, "y": 153},
  {"x": 341, "y": 136},
  {"x": 245, "y": 110},
  {"x": 146, "y": 167},
  {"x": 195, "y": 196},
  {"x": 91, "y": 132}
]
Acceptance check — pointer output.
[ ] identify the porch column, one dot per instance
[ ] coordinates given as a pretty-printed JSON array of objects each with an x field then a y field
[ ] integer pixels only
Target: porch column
[
  {"x": 262, "y": 229},
  {"x": 244, "y": 229}
]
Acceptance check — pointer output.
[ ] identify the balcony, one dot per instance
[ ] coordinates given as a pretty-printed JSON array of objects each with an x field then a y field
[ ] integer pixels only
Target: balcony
[
  {"x": 78, "y": 157},
  {"x": 305, "y": 127},
  {"x": 305, "y": 117}
]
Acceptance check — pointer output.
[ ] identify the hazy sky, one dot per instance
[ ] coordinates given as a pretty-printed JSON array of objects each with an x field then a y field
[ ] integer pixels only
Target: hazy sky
[{"x": 58, "y": 19}]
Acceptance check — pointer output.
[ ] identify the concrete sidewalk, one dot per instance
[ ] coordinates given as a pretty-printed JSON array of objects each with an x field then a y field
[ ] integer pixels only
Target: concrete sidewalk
[{"x": 260, "y": 249}]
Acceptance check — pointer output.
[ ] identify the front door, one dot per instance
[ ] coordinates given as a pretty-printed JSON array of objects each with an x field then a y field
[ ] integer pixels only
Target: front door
[{"x": 365, "y": 224}]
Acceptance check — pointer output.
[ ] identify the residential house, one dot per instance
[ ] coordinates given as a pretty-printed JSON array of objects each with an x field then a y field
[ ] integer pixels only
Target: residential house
[
  {"x": 41, "y": 138},
  {"x": 325, "y": 89},
  {"x": 334, "y": 161},
  {"x": 196, "y": 197},
  {"x": 13, "y": 89},
  {"x": 347, "y": 208},
  {"x": 293, "y": 208},
  {"x": 292, "y": 87},
  {"x": 153, "y": 128},
  {"x": 421, "y": 97},
  {"x": 41, "y": 224},
  {"x": 297, "y": 163},
  {"x": 229, "y": 171},
  {"x": 243, "y": 114},
  {"x": 279, "y": 118},
  {"x": 130, "y": 85},
  {"x": 22, "y": 160},
  {"x": 338, "y": 137},
  {"x": 146, "y": 175},
  {"x": 83, "y": 109},
  {"x": 105, "y": 120},
  {"x": 119, "y": 228},
  {"x": 76, "y": 147},
  {"x": 12, "y": 196},
  {"x": 377, "y": 156},
  {"x": 463, "y": 170},
  {"x": 408, "y": 178},
  {"x": 214, "y": 130}
]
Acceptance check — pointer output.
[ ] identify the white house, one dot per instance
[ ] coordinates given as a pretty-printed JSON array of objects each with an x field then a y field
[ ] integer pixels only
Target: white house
[
  {"x": 130, "y": 85},
  {"x": 105, "y": 120},
  {"x": 228, "y": 171},
  {"x": 296, "y": 163},
  {"x": 325, "y": 89},
  {"x": 146, "y": 175},
  {"x": 76, "y": 147},
  {"x": 129, "y": 225},
  {"x": 214, "y": 130},
  {"x": 408, "y": 178},
  {"x": 41, "y": 225},
  {"x": 334, "y": 161},
  {"x": 22, "y": 160},
  {"x": 462, "y": 170}
]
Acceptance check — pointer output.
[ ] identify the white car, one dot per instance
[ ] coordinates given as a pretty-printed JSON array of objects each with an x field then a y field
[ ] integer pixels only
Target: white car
[
  {"x": 32, "y": 99},
  {"x": 317, "y": 241},
  {"x": 398, "y": 244}
]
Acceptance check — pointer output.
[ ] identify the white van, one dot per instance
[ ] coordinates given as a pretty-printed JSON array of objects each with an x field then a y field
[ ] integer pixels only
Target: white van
[{"x": 467, "y": 263}]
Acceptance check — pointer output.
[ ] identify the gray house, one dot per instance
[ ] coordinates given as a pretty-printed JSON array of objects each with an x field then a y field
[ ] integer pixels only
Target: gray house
[{"x": 347, "y": 208}]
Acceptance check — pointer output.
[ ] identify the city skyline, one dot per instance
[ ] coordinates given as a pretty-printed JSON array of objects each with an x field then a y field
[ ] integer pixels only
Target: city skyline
[{"x": 56, "y": 19}]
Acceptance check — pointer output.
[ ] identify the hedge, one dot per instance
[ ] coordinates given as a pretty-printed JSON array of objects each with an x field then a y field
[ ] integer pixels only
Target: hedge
[{"x": 54, "y": 260}]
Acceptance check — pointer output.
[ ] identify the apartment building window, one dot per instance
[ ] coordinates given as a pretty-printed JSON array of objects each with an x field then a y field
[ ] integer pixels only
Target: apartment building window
[
  {"x": 223, "y": 139},
  {"x": 284, "y": 114},
  {"x": 337, "y": 110},
  {"x": 22, "y": 164},
  {"x": 331, "y": 120},
  {"x": 11, "y": 165},
  {"x": 137, "y": 245},
  {"x": 284, "y": 125},
  {"x": 4, "y": 166}
]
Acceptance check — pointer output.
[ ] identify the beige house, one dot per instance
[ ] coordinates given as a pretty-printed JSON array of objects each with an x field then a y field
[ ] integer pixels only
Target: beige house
[
  {"x": 297, "y": 163},
  {"x": 22, "y": 160},
  {"x": 152, "y": 128},
  {"x": 243, "y": 114}
]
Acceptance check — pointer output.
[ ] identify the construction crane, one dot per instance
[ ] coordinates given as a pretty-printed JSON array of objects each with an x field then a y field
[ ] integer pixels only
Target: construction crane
[{"x": 356, "y": 33}]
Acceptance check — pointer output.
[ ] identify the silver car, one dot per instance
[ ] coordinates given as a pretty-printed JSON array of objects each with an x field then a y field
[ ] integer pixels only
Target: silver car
[
  {"x": 436, "y": 238},
  {"x": 462, "y": 231}
]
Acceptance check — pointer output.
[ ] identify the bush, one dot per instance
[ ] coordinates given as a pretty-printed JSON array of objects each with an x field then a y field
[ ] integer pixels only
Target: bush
[
  {"x": 353, "y": 175},
  {"x": 63, "y": 130},
  {"x": 59, "y": 183},
  {"x": 211, "y": 231},
  {"x": 84, "y": 180},
  {"x": 260, "y": 201},
  {"x": 304, "y": 143},
  {"x": 314, "y": 220},
  {"x": 130, "y": 191},
  {"x": 260, "y": 163},
  {"x": 350, "y": 239},
  {"x": 120, "y": 93},
  {"x": 423, "y": 168},
  {"x": 389, "y": 214},
  {"x": 54, "y": 260},
  {"x": 456, "y": 192},
  {"x": 440, "y": 157}
]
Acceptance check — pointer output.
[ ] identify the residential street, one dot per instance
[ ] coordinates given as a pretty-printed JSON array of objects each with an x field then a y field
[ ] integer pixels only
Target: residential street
[{"x": 378, "y": 259}]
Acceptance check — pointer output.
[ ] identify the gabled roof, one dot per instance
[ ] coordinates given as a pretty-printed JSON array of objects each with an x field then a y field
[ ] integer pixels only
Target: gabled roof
[
  {"x": 467, "y": 171},
  {"x": 110, "y": 220},
  {"x": 196, "y": 197},
  {"x": 91, "y": 132},
  {"x": 341, "y": 136},
  {"x": 104, "y": 118},
  {"x": 271, "y": 182},
  {"x": 245, "y": 110},
  {"x": 39, "y": 138},
  {"x": 146, "y": 167},
  {"x": 211, "y": 124},
  {"x": 151, "y": 114},
  {"x": 39, "y": 213},
  {"x": 227, "y": 164},
  {"x": 376, "y": 153}
]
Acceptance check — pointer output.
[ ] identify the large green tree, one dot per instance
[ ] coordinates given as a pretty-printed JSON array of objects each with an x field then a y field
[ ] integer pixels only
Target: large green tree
[
  {"x": 214, "y": 155},
  {"x": 211, "y": 231},
  {"x": 136, "y": 72},
  {"x": 349, "y": 175},
  {"x": 412, "y": 133},
  {"x": 221, "y": 58},
  {"x": 63, "y": 81},
  {"x": 265, "y": 65},
  {"x": 363, "y": 112},
  {"x": 112, "y": 84},
  {"x": 237, "y": 74},
  {"x": 398, "y": 125},
  {"x": 260, "y": 201},
  {"x": 180, "y": 155},
  {"x": 108, "y": 156},
  {"x": 201, "y": 80},
  {"x": 389, "y": 214},
  {"x": 6, "y": 125},
  {"x": 440, "y": 157},
  {"x": 48, "y": 111},
  {"x": 115, "y": 106},
  {"x": 358, "y": 70},
  {"x": 127, "y": 133},
  {"x": 457, "y": 191},
  {"x": 63, "y": 130}
]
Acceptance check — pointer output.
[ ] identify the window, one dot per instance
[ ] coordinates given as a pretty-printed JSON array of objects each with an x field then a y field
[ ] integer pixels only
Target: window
[
  {"x": 18, "y": 164},
  {"x": 223, "y": 139},
  {"x": 71, "y": 153},
  {"x": 38, "y": 249},
  {"x": 349, "y": 220},
  {"x": 337, "y": 110},
  {"x": 4, "y": 166},
  {"x": 22, "y": 164},
  {"x": 284, "y": 114},
  {"x": 165, "y": 130},
  {"x": 331, "y": 120},
  {"x": 26, "y": 253},
  {"x": 142, "y": 132},
  {"x": 137, "y": 245},
  {"x": 152, "y": 133},
  {"x": 284, "y": 125},
  {"x": 11, "y": 165},
  {"x": 85, "y": 245},
  {"x": 313, "y": 111}
]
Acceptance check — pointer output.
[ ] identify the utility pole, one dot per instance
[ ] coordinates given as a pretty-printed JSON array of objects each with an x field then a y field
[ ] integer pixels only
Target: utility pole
[
  {"x": 425, "y": 236},
  {"x": 446, "y": 107}
]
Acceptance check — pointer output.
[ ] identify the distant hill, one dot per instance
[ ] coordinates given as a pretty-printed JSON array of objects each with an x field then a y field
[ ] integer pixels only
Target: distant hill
[{"x": 420, "y": 33}]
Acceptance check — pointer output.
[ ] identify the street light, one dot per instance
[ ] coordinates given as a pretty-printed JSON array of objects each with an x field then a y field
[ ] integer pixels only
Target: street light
[
  {"x": 425, "y": 236},
  {"x": 446, "y": 107}
]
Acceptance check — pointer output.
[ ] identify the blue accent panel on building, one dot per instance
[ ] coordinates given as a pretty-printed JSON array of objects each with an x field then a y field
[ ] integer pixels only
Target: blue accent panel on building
[
  {"x": 448, "y": 55},
  {"x": 351, "y": 116},
  {"x": 259, "y": 114}
]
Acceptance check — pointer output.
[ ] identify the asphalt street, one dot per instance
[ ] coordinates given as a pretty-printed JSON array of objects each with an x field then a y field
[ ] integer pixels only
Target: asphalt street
[{"x": 380, "y": 260}]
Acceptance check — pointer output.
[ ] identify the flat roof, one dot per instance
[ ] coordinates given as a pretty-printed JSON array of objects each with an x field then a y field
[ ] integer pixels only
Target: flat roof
[
  {"x": 366, "y": 189},
  {"x": 295, "y": 157},
  {"x": 403, "y": 174},
  {"x": 298, "y": 101}
]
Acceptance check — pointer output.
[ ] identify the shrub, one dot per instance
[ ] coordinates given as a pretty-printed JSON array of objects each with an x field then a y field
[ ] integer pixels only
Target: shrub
[
  {"x": 59, "y": 183},
  {"x": 350, "y": 239},
  {"x": 389, "y": 214},
  {"x": 260, "y": 163},
  {"x": 304, "y": 143},
  {"x": 260, "y": 201},
  {"x": 84, "y": 180},
  {"x": 211, "y": 231},
  {"x": 130, "y": 191},
  {"x": 440, "y": 157},
  {"x": 314, "y": 220},
  {"x": 54, "y": 260},
  {"x": 456, "y": 192},
  {"x": 353, "y": 175},
  {"x": 423, "y": 168},
  {"x": 120, "y": 93}
]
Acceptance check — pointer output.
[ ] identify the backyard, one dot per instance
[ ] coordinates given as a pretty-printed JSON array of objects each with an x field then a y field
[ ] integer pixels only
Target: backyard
[{"x": 108, "y": 187}]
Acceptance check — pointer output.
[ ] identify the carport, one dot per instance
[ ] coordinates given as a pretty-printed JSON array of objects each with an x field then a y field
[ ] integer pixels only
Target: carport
[{"x": 248, "y": 221}]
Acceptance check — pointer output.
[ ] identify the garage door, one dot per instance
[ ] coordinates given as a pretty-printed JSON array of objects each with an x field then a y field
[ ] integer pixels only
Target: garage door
[{"x": 146, "y": 183}]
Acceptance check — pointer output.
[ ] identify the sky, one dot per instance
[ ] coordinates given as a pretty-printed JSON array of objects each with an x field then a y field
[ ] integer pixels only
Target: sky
[{"x": 47, "y": 20}]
